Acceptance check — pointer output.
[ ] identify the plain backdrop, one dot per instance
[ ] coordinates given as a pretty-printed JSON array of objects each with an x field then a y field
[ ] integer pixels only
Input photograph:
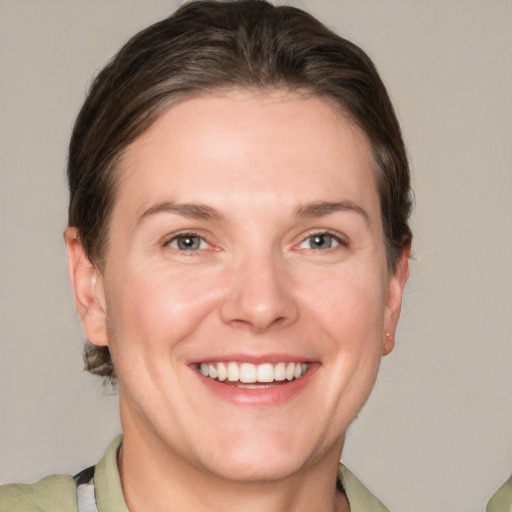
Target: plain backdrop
[{"x": 437, "y": 431}]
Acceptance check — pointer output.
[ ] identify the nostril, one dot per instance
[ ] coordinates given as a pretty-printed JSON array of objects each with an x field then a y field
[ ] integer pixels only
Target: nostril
[
  {"x": 257, "y": 300},
  {"x": 257, "y": 325}
]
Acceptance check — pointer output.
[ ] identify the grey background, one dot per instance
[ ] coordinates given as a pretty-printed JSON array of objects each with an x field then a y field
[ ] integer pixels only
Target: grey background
[{"x": 437, "y": 431}]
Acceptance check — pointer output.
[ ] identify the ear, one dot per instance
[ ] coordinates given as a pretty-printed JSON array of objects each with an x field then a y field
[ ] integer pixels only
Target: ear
[
  {"x": 87, "y": 283},
  {"x": 396, "y": 287}
]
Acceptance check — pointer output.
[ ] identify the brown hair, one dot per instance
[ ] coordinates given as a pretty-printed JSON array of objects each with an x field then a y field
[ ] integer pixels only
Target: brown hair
[{"x": 208, "y": 45}]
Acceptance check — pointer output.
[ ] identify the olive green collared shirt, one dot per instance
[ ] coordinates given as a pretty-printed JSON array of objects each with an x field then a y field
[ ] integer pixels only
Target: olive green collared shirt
[
  {"x": 57, "y": 493},
  {"x": 502, "y": 499}
]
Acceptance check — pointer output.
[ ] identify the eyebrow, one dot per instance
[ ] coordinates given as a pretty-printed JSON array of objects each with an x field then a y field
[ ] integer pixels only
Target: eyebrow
[
  {"x": 204, "y": 212},
  {"x": 193, "y": 211},
  {"x": 321, "y": 208}
]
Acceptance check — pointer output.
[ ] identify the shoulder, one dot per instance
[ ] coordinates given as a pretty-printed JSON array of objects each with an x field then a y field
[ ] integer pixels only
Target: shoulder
[
  {"x": 502, "y": 499},
  {"x": 58, "y": 493},
  {"x": 55, "y": 493},
  {"x": 359, "y": 497}
]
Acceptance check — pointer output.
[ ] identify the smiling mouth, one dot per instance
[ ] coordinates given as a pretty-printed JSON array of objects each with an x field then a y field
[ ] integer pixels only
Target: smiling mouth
[{"x": 257, "y": 375}]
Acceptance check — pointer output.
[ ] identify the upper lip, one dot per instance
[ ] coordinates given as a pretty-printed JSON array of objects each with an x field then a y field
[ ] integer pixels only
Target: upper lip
[{"x": 253, "y": 358}]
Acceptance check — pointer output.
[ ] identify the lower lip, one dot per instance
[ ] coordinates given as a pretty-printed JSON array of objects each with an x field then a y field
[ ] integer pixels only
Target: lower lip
[{"x": 273, "y": 395}]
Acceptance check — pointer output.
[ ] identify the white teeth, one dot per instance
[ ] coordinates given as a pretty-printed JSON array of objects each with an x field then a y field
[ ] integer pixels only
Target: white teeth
[
  {"x": 212, "y": 371},
  {"x": 248, "y": 373},
  {"x": 265, "y": 373},
  {"x": 222, "y": 372},
  {"x": 280, "y": 372},
  {"x": 233, "y": 373}
]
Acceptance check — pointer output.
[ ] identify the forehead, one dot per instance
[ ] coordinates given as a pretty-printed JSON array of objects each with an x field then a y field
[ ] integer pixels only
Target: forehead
[{"x": 275, "y": 144}]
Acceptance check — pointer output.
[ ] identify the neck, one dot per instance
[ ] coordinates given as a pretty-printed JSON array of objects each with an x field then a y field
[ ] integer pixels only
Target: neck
[{"x": 158, "y": 479}]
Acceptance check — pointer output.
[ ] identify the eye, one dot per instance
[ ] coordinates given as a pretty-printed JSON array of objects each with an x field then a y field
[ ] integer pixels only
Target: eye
[
  {"x": 188, "y": 242},
  {"x": 320, "y": 241}
]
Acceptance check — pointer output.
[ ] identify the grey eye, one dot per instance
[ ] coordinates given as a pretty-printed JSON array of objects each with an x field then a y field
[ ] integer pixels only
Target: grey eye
[
  {"x": 187, "y": 242},
  {"x": 320, "y": 241},
  {"x": 323, "y": 241}
]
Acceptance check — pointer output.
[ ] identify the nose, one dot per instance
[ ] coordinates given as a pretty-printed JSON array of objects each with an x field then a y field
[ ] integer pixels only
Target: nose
[{"x": 259, "y": 295}]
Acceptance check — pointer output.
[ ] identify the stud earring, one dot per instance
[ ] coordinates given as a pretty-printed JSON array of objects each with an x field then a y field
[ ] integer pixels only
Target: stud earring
[{"x": 388, "y": 344}]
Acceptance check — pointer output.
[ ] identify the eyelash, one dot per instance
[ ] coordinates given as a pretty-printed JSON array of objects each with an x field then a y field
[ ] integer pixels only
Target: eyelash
[
  {"x": 191, "y": 234},
  {"x": 340, "y": 241}
]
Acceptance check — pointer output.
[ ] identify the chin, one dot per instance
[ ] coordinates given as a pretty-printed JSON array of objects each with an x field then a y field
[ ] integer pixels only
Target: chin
[
  {"x": 264, "y": 468},
  {"x": 260, "y": 457}
]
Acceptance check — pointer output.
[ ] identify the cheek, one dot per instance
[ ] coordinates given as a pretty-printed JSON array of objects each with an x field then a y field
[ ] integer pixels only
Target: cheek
[
  {"x": 350, "y": 311},
  {"x": 157, "y": 308},
  {"x": 349, "y": 302}
]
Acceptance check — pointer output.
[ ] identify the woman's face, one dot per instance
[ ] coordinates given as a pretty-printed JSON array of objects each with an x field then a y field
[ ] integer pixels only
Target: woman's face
[{"x": 245, "y": 289}]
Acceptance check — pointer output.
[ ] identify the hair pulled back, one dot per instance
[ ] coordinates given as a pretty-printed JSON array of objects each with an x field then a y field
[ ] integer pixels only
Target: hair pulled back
[{"x": 205, "y": 46}]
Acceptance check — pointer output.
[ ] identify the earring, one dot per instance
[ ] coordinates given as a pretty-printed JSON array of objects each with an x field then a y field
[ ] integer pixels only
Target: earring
[{"x": 389, "y": 341}]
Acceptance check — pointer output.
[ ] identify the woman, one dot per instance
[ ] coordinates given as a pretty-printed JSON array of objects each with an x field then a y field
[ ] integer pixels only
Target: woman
[{"x": 238, "y": 247}]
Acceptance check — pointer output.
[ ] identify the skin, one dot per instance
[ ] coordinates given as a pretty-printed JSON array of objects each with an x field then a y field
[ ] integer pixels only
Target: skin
[{"x": 256, "y": 288}]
